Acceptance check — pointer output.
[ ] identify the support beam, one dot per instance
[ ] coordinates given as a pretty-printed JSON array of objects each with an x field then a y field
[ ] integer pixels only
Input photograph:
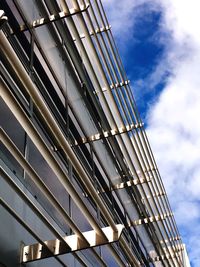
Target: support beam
[
  {"x": 167, "y": 256},
  {"x": 113, "y": 85},
  {"x": 175, "y": 248},
  {"x": 123, "y": 185},
  {"x": 156, "y": 195},
  {"x": 56, "y": 247},
  {"x": 174, "y": 238},
  {"x": 151, "y": 219},
  {"x": 52, "y": 18},
  {"x": 130, "y": 183},
  {"x": 97, "y": 31},
  {"x": 106, "y": 134},
  {"x": 116, "y": 85}
]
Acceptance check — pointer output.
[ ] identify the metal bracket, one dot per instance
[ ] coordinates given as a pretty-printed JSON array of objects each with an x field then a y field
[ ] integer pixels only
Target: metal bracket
[
  {"x": 150, "y": 219},
  {"x": 106, "y": 134},
  {"x": 116, "y": 85},
  {"x": 167, "y": 256},
  {"x": 130, "y": 183},
  {"x": 157, "y": 195},
  {"x": 175, "y": 238},
  {"x": 56, "y": 247},
  {"x": 22, "y": 244},
  {"x": 3, "y": 18},
  {"x": 122, "y": 185},
  {"x": 52, "y": 18},
  {"x": 97, "y": 31}
]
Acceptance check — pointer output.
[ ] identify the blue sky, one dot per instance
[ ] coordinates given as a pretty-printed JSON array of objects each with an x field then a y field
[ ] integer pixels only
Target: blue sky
[
  {"x": 159, "y": 42},
  {"x": 145, "y": 51}
]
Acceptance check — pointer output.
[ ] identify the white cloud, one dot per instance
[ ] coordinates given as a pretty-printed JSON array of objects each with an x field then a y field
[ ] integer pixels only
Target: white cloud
[
  {"x": 123, "y": 14},
  {"x": 174, "y": 128},
  {"x": 173, "y": 121},
  {"x": 176, "y": 114},
  {"x": 119, "y": 12}
]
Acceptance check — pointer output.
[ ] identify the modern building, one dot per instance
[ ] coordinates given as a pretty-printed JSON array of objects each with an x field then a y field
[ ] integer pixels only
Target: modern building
[{"x": 79, "y": 185}]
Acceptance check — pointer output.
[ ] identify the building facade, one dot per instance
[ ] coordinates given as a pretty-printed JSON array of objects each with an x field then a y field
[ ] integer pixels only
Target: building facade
[{"x": 79, "y": 185}]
